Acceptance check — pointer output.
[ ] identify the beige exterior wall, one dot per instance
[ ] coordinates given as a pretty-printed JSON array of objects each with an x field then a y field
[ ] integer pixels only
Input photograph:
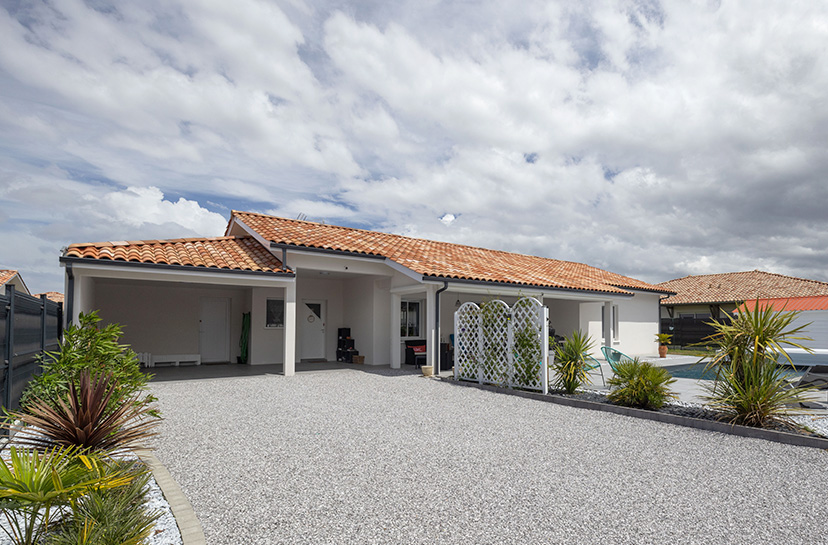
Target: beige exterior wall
[
  {"x": 637, "y": 324},
  {"x": 162, "y": 318}
]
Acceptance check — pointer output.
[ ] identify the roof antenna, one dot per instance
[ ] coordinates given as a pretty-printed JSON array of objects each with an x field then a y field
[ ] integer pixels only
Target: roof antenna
[{"x": 302, "y": 216}]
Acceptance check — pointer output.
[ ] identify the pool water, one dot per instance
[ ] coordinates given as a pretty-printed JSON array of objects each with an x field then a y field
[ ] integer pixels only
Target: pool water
[{"x": 695, "y": 371}]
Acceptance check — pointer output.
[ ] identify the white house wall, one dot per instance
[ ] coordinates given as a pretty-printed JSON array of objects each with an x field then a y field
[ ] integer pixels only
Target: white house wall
[
  {"x": 637, "y": 326},
  {"x": 358, "y": 314},
  {"x": 161, "y": 318},
  {"x": 382, "y": 323},
  {"x": 267, "y": 345}
]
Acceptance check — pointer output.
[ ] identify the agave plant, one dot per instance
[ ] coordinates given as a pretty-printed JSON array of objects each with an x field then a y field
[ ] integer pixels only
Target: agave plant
[
  {"x": 83, "y": 419},
  {"x": 570, "y": 362},
  {"x": 750, "y": 388},
  {"x": 34, "y": 486}
]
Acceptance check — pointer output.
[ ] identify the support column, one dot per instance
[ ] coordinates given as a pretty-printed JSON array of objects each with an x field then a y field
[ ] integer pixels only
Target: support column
[
  {"x": 432, "y": 340},
  {"x": 607, "y": 323},
  {"x": 395, "y": 358},
  {"x": 290, "y": 330}
]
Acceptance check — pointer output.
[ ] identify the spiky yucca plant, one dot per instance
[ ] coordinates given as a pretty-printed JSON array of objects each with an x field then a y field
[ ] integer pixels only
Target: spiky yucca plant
[
  {"x": 641, "y": 384},
  {"x": 750, "y": 388},
  {"x": 83, "y": 418},
  {"x": 570, "y": 362}
]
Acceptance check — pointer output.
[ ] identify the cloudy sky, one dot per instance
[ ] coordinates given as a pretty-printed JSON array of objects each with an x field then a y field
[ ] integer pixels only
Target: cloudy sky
[{"x": 653, "y": 139}]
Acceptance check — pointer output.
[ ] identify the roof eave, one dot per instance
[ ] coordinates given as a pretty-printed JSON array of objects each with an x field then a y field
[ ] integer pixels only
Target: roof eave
[
  {"x": 166, "y": 266},
  {"x": 524, "y": 285}
]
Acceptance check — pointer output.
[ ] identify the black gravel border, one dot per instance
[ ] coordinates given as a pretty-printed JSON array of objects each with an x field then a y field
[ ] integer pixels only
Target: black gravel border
[{"x": 776, "y": 436}]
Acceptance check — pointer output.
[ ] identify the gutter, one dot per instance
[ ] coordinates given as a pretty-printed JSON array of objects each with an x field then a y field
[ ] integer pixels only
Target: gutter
[
  {"x": 189, "y": 268},
  {"x": 437, "y": 325},
  {"x": 427, "y": 278},
  {"x": 284, "y": 247},
  {"x": 70, "y": 297}
]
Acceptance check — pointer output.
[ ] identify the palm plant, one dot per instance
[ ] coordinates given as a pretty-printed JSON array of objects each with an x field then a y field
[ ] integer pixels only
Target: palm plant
[
  {"x": 570, "y": 362},
  {"x": 110, "y": 517},
  {"x": 82, "y": 418},
  {"x": 750, "y": 388},
  {"x": 33, "y": 486},
  {"x": 641, "y": 384}
]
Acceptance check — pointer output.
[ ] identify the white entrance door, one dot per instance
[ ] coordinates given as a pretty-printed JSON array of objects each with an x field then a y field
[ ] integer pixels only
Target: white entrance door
[
  {"x": 214, "y": 330},
  {"x": 312, "y": 325}
]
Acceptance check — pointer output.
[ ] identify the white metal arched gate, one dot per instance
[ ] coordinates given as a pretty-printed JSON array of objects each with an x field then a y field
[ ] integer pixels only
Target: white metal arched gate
[{"x": 495, "y": 344}]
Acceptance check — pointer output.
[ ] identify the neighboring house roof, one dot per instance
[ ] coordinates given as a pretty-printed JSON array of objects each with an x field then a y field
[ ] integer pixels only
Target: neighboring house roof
[
  {"x": 819, "y": 302},
  {"x": 441, "y": 259},
  {"x": 738, "y": 287},
  {"x": 228, "y": 253},
  {"x": 8, "y": 275},
  {"x": 55, "y": 296}
]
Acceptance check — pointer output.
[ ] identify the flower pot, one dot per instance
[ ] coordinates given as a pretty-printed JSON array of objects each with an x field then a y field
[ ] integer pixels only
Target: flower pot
[
  {"x": 662, "y": 351},
  {"x": 428, "y": 370}
]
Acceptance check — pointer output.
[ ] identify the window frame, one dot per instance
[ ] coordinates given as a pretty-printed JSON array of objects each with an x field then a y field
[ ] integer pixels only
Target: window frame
[
  {"x": 275, "y": 315},
  {"x": 404, "y": 315}
]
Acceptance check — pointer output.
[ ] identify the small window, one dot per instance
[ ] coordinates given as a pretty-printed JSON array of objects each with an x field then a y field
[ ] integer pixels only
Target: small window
[
  {"x": 410, "y": 319},
  {"x": 275, "y": 313},
  {"x": 614, "y": 322}
]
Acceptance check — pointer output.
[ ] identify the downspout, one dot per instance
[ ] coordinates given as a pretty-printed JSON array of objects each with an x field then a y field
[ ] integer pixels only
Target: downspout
[
  {"x": 437, "y": 325},
  {"x": 70, "y": 297}
]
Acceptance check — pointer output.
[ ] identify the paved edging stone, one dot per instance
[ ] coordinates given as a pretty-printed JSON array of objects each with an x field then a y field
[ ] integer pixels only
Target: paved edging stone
[
  {"x": 678, "y": 420},
  {"x": 188, "y": 524}
]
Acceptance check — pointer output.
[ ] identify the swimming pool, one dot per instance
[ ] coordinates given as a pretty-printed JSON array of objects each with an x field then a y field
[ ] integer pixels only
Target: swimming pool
[{"x": 695, "y": 371}]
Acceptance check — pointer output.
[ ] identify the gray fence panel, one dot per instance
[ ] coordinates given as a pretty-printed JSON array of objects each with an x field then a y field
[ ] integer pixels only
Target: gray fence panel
[{"x": 33, "y": 326}]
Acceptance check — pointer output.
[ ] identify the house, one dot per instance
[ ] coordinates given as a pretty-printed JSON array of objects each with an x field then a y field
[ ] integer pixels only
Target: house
[
  {"x": 302, "y": 281},
  {"x": 697, "y": 299},
  {"x": 10, "y": 277}
]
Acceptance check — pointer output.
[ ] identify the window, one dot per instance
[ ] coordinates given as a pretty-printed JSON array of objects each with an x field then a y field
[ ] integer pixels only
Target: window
[
  {"x": 614, "y": 322},
  {"x": 275, "y": 313},
  {"x": 410, "y": 319}
]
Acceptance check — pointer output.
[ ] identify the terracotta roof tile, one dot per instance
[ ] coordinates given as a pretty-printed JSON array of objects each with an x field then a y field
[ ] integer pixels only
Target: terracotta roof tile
[
  {"x": 6, "y": 275},
  {"x": 55, "y": 296},
  {"x": 233, "y": 253},
  {"x": 442, "y": 259},
  {"x": 739, "y": 286}
]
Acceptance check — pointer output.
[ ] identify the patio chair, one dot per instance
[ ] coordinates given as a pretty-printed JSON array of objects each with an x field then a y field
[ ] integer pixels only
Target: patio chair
[
  {"x": 613, "y": 356},
  {"x": 591, "y": 363}
]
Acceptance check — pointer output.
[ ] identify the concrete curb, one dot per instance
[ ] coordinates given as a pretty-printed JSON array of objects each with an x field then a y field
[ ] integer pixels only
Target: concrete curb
[
  {"x": 686, "y": 421},
  {"x": 188, "y": 524}
]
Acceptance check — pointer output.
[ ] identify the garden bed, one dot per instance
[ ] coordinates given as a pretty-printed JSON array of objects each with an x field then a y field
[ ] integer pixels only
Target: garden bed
[{"x": 680, "y": 414}]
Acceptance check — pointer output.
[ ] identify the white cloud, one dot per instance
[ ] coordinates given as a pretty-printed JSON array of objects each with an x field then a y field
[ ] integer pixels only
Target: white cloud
[{"x": 666, "y": 138}]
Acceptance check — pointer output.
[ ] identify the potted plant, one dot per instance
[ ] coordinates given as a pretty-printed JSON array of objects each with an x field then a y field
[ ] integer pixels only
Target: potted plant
[
  {"x": 428, "y": 370},
  {"x": 663, "y": 340}
]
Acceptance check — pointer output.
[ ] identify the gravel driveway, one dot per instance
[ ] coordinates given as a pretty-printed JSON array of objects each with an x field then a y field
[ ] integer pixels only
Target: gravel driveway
[{"x": 347, "y": 456}]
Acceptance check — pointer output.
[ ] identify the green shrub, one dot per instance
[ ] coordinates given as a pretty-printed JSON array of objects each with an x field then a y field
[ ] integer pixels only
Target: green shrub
[
  {"x": 110, "y": 517},
  {"x": 750, "y": 388},
  {"x": 570, "y": 362},
  {"x": 87, "y": 348},
  {"x": 640, "y": 384}
]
